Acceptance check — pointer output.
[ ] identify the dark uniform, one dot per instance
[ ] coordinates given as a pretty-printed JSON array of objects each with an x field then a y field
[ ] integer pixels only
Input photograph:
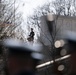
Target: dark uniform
[{"x": 31, "y": 36}]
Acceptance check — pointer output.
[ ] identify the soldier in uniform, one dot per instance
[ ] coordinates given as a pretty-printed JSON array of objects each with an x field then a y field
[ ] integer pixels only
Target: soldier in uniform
[
  {"x": 32, "y": 33},
  {"x": 22, "y": 58},
  {"x": 31, "y": 36}
]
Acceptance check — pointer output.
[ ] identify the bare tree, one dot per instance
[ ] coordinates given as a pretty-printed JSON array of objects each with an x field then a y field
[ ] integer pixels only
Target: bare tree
[
  {"x": 35, "y": 21},
  {"x": 65, "y": 7},
  {"x": 10, "y": 26},
  {"x": 45, "y": 38},
  {"x": 60, "y": 7},
  {"x": 10, "y": 18}
]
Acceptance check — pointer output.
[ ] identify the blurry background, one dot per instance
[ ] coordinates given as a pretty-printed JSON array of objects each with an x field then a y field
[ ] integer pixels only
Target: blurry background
[{"x": 17, "y": 17}]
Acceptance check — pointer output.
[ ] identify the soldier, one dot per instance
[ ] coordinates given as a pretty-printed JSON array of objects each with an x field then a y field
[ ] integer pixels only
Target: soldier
[
  {"x": 31, "y": 36},
  {"x": 22, "y": 59},
  {"x": 32, "y": 33}
]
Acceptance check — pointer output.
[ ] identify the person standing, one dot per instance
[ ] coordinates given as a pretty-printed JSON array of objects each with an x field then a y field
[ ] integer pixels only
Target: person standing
[{"x": 31, "y": 36}]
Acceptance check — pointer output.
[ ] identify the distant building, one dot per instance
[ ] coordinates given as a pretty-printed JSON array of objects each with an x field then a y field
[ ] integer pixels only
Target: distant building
[{"x": 63, "y": 23}]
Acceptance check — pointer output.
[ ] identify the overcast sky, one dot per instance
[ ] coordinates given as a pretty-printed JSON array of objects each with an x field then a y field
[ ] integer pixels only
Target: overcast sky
[{"x": 27, "y": 6}]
